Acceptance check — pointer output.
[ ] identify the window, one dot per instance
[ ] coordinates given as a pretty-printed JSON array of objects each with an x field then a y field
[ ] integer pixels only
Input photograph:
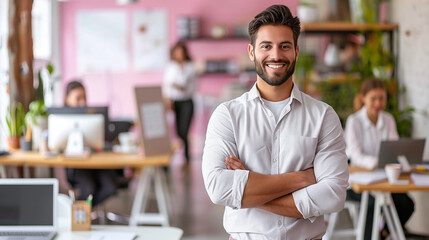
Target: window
[{"x": 42, "y": 29}]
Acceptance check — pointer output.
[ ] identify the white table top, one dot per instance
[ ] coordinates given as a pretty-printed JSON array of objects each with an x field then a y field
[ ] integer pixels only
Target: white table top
[{"x": 165, "y": 233}]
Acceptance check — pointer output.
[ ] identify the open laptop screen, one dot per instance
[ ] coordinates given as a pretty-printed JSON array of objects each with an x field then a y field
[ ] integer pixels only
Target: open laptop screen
[
  {"x": 412, "y": 149},
  {"x": 28, "y": 204}
]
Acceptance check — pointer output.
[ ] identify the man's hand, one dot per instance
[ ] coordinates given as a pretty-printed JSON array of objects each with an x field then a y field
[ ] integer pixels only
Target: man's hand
[{"x": 233, "y": 163}]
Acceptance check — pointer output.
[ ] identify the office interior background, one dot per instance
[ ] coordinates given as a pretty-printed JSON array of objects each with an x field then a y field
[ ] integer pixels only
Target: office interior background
[{"x": 115, "y": 61}]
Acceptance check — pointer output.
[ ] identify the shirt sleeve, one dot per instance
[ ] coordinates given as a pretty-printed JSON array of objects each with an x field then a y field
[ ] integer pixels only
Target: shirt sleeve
[
  {"x": 354, "y": 140},
  {"x": 331, "y": 172},
  {"x": 393, "y": 131},
  {"x": 224, "y": 187}
]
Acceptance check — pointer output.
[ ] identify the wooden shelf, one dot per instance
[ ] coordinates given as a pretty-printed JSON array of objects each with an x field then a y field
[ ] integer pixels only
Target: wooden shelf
[{"x": 324, "y": 27}]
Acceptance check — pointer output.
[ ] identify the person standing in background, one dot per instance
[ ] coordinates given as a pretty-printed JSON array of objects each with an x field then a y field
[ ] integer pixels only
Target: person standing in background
[
  {"x": 365, "y": 129},
  {"x": 180, "y": 81},
  {"x": 98, "y": 182}
]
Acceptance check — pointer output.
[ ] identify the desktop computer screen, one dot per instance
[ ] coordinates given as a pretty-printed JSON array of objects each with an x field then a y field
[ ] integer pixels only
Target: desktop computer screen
[{"x": 61, "y": 128}]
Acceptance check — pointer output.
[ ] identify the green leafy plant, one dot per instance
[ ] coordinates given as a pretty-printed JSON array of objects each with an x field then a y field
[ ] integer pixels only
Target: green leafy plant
[
  {"x": 37, "y": 107},
  {"x": 15, "y": 119}
]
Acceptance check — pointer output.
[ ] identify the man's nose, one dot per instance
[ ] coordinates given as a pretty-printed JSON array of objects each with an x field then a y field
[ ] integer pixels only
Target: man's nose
[{"x": 275, "y": 54}]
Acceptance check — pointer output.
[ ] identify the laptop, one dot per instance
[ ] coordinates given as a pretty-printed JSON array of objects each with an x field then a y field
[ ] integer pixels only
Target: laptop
[
  {"x": 28, "y": 208},
  {"x": 393, "y": 151}
]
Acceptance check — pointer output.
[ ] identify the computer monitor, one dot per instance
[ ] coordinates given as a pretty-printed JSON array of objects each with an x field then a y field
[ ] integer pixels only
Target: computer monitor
[
  {"x": 75, "y": 131},
  {"x": 412, "y": 149},
  {"x": 104, "y": 110}
]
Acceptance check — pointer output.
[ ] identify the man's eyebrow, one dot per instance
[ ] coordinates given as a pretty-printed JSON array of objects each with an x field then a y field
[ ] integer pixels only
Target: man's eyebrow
[
  {"x": 269, "y": 42},
  {"x": 265, "y": 42}
]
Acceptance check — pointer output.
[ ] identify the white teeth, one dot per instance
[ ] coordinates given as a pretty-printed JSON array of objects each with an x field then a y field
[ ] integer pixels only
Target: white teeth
[{"x": 275, "y": 66}]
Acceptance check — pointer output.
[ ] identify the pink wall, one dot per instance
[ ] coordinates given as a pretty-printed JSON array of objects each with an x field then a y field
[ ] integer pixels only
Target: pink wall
[{"x": 115, "y": 88}]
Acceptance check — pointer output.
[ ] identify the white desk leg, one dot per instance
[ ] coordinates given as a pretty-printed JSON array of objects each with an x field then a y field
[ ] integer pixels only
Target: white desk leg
[
  {"x": 138, "y": 214},
  {"x": 2, "y": 172},
  {"x": 161, "y": 196},
  {"x": 142, "y": 187},
  {"x": 388, "y": 217},
  {"x": 395, "y": 217},
  {"x": 377, "y": 215},
  {"x": 360, "y": 229}
]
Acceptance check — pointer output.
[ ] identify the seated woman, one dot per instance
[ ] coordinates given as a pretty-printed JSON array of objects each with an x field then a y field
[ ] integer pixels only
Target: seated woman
[
  {"x": 100, "y": 183},
  {"x": 365, "y": 129}
]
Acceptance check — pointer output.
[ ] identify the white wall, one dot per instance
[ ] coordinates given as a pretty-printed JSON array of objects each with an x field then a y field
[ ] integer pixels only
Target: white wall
[
  {"x": 4, "y": 63},
  {"x": 413, "y": 22}
]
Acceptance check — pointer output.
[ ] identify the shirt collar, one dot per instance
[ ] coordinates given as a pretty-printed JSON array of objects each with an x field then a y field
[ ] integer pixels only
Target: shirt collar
[
  {"x": 367, "y": 121},
  {"x": 254, "y": 93}
]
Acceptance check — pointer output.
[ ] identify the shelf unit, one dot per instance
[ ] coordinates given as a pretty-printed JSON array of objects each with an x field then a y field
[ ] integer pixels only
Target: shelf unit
[{"x": 345, "y": 27}]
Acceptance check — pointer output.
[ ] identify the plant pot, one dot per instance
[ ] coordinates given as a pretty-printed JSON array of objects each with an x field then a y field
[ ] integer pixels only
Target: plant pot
[
  {"x": 13, "y": 143},
  {"x": 38, "y": 128},
  {"x": 25, "y": 145},
  {"x": 307, "y": 13}
]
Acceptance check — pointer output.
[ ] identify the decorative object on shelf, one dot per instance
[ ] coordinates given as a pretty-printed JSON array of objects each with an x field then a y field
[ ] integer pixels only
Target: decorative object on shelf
[
  {"x": 188, "y": 27},
  {"x": 307, "y": 12},
  {"x": 332, "y": 56},
  {"x": 240, "y": 31},
  {"x": 364, "y": 11},
  {"x": 218, "y": 31}
]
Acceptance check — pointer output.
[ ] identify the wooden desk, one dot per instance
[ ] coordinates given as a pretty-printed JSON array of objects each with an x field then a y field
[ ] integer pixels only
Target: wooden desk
[
  {"x": 108, "y": 160},
  {"x": 383, "y": 200}
]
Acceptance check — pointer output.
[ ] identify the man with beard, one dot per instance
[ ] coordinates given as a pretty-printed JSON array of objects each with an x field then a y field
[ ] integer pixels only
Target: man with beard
[{"x": 275, "y": 157}]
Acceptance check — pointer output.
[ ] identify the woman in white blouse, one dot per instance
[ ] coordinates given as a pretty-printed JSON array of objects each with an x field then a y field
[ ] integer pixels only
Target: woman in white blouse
[
  {"x": 365, "y": 129},
  {"x": 180, "y": 80}
]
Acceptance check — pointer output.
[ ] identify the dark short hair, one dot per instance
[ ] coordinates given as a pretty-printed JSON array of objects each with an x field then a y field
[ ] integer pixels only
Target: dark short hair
[
  {"x": 370, "y": 84},
  {"x": 73, "y": 85},
  {"x": 275, "y": 15},
  {"x": 185, "y": 50}
]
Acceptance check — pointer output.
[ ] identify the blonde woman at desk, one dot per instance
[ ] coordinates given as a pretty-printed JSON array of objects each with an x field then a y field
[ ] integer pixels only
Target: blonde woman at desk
[
  {"x": 180, "y": 80},
  {"x": 100, "y": 183},
  {"x": 365, "y": 129}
]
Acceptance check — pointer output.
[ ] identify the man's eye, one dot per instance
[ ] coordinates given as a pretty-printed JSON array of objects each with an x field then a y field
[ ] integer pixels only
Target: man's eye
[
  {"x": 265, "y": 46},
  {"x": 285, "y": 47}
]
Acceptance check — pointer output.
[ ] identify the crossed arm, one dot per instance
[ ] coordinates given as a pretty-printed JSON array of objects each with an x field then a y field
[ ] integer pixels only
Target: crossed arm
[{"x": 269, "y": 192}]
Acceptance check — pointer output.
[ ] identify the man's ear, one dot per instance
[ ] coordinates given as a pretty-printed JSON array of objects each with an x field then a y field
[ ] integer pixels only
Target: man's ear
[
  {"x": 297, "y": 52},
  {"x": 250, "y": 51}
]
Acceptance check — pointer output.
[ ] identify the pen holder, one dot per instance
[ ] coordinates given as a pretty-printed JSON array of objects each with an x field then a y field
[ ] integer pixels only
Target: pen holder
[{"x": 81, "y": 216}]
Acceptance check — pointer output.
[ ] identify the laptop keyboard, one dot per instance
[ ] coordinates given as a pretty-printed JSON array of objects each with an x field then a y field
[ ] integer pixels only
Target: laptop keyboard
[{"x": 25, "y": 234}]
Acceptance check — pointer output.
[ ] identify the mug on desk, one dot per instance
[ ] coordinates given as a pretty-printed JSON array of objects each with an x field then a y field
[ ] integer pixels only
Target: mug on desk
[{"x": 393, "y": 171}]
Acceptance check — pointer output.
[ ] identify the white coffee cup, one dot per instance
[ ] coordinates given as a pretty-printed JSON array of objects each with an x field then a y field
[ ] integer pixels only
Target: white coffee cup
[
  {"x": 393, "y": 171},
  {"x": 126, "y": 140}
]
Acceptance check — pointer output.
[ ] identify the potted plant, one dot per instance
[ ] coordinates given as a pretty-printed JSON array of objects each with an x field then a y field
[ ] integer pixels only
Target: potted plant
[
  {"x": 15, "y": 120},
  {"x": 307, "y": 11},
  {"x": 37, "y": 114}
]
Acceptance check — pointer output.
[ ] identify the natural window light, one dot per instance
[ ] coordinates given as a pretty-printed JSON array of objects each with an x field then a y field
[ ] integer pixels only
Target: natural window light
[{"x": 42, "y": 29}]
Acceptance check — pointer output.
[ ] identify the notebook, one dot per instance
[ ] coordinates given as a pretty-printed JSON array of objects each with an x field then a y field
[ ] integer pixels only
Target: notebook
[{"x": 28, "y": 208}]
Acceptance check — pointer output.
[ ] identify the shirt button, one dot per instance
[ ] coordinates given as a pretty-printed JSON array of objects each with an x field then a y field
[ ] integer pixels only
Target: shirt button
[
  {"x": 280, "y": 222},
  {"x": 275, "y": 160}
]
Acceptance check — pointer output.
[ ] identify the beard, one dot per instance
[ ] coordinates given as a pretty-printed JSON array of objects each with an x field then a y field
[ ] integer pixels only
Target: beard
[{"x": 278, "y": 78}]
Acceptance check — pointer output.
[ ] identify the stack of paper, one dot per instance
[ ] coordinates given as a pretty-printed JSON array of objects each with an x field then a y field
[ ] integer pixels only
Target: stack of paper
[
  {"x": 367, "y": 177},
  {"x": 419, "y": 179}
]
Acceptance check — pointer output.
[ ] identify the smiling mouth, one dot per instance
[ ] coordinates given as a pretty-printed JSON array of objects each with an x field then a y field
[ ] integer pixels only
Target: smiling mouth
[{"x": 275, "y": 66}]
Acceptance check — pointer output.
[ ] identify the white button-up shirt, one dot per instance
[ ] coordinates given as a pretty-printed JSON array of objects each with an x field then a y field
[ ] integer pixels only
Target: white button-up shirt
[
  {"x": 363, "y": 138},
  {"x": 185, "y": 76},
  {"x": 308, "y": 134}
]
